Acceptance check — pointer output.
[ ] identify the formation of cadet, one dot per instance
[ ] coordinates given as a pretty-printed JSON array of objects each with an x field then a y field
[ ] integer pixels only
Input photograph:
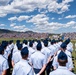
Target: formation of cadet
[{"x": 36, "y": 57}]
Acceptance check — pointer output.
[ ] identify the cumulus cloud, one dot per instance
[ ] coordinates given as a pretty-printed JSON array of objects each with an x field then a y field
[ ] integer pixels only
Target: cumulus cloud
[
  {"x": 12, "y": 25},
  {"x": 59, "y": 8},
  {"x": 20, "y": 18},
  {"x": 71, "y": 23},
  {"x": 18, "y": 6},
  {"x": 12, "y": 18},
  {"x": 2, "y": 25},
  {"x": 4, "y": 2},
  {"x": 74, "y": 27},
  {"x": 20, "y": 28},
  {"x": 70, "y": 16},
  {"x": 2, "y": 15},
  {"x": 39, "y": 19},
  {"x": 59, "y": 18},
  {"x": 42, "y": 24}
]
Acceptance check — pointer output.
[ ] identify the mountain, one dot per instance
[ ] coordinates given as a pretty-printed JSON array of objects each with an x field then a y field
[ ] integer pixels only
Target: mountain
[
  {"x": 9, "y": 31},
  {"x": 5, "y": 31}
]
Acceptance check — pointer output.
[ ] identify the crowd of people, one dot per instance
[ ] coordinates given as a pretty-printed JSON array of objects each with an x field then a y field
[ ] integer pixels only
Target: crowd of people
[
  {"x": 23, "y": 35},
  {"x": 36, "y": 57}
]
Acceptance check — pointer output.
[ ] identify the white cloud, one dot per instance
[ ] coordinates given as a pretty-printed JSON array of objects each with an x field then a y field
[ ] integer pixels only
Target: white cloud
[
  {"x": 2, "y": 15},
  {"x": 42, "y": 24},
  {"x": 59, "y": 7},
  {"x": 23, "y": 17},
  {"x": 23, "y": 30},
  {"x": 52, "y": 18},
  {"x": 66, "y": 1},
  {"x": 19, "y": 6},
  {"x": 64, "y": 8},
  {"x": 4, "y": 2},
  {"x": 12, "y": 18},
  {"x": 39, "y": 19},
  {"x": 71, "y": 16},
  {"x": 71, "y": 23},
  {"x": 20, "y": 28},
  {"x": 1, "y": 25},
  {"x": 12, "y": 25},
  {"x": 59, "y": 18},
  {"x": 20, "y": 18},
  {"x": 74, "y": 27}
]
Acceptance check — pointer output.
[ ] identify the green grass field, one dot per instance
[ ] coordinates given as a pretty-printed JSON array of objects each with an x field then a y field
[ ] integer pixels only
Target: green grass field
[{"x": 73, "y": 54}]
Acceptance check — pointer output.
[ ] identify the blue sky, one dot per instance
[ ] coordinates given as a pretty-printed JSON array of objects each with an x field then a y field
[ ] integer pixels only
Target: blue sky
[{"x": 52, "y": 16}]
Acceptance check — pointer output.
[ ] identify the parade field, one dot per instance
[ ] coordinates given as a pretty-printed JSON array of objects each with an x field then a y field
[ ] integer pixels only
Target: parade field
[
  {"x": 73, "y": 54},
  {"x": 37, "y": 37}
]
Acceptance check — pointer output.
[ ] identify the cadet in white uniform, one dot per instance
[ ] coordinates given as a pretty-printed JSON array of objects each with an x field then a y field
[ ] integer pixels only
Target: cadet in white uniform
[
  {"x": 52, "y": 47},
  {"x": 48, "y": 54},
  {"x": 4, "y": 45},
  {"x": 22, "y": 67},
  {"x": 69, "y": 64},
  {"x": 46, "y": 50},
  {"x": 62, "y": 69},
  {"x": 30, "y": 48},
  {"x": 3, "y": 62},
  {"x": 15, "y": 46},
  {"x": 17, "y": 55},
  {"x": 38, "y": 61},
  {"x": 69, "y": 45},
  {"x": 25, "y": 43}
]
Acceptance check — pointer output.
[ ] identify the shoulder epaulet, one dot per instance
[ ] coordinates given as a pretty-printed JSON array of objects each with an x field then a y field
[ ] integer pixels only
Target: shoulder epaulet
[
  {"x": 43, "y": 53},
  {"x": 4, "y": 57},
  {"x": 29, "y": 64},
  {"x": 69, "y": 56},
  {"x": 33, "y": 52}
]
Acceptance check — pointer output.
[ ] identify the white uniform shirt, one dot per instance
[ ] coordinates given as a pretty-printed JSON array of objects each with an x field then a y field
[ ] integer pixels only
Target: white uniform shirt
[
  {"x": 52, "y": 49},
  {"x": 3, "y": 64},
  {"x": 7, "y": 51},
  {"x": 24, "y": 45},
  {"x": 70, "y": 47},
  {"x": 61, "y": 71},
  {"x": 16, "y": 57},
  {"x": 31, "y": 51},
  {"x": 38, "y": 60},
  {"x": 59, "y": 43},
  {"x": 23, "y": 68},
  {"x": 42, "y": 44},
  {"x": 56, "y": 47},
  {"x": 46, "y": 51},
  {"x": 34, "y": 45},
  {"x": 15, "y": 49}
]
